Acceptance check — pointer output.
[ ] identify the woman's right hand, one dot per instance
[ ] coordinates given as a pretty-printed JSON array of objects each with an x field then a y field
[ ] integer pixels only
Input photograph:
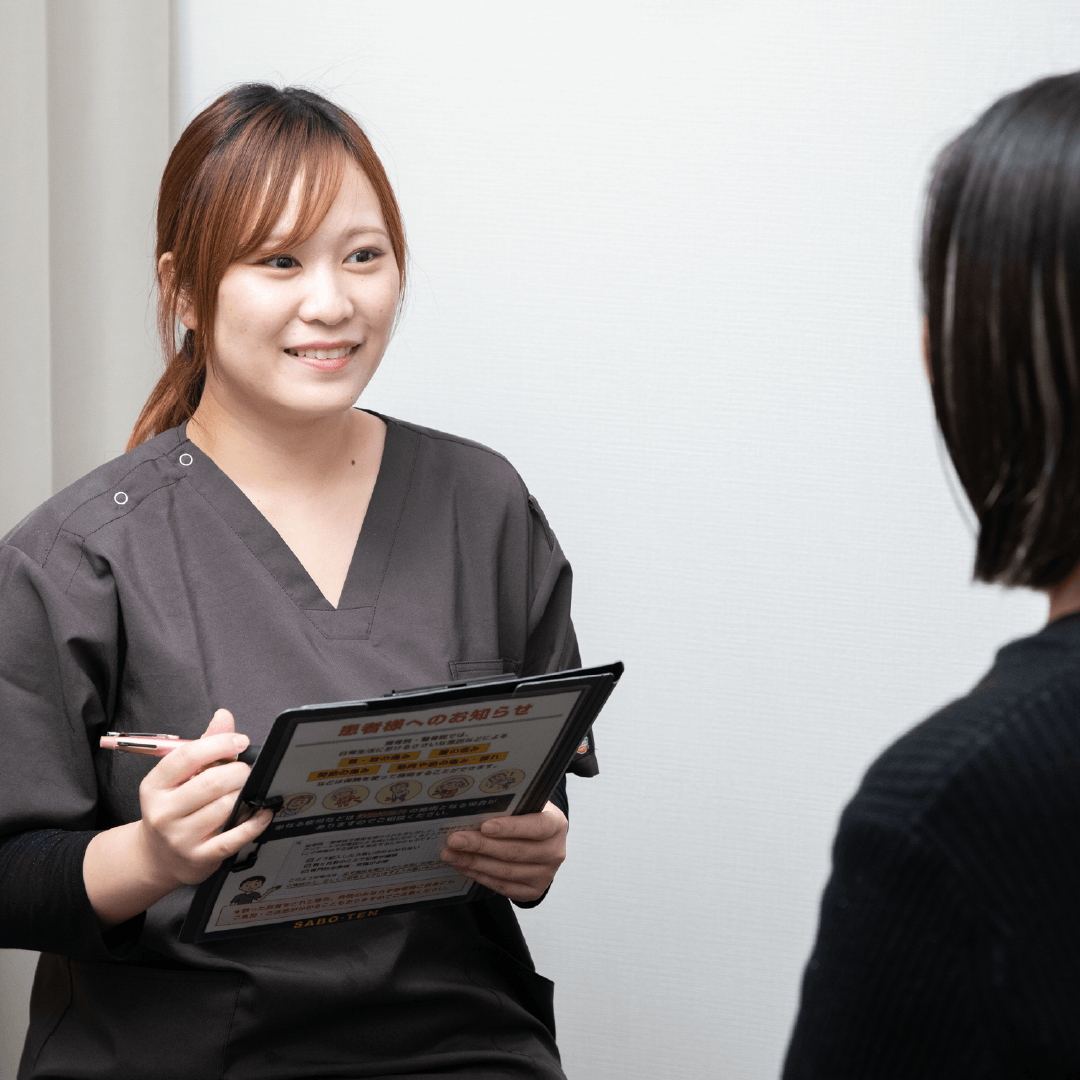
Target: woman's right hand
[{"x": 185, "y": 800}]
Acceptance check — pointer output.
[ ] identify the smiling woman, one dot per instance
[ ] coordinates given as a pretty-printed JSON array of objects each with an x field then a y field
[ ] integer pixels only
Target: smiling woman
[
  {"x": 341, "y": 282},
  {"x": 263, "y": 544},
  {"x": 251, "y": 177}
]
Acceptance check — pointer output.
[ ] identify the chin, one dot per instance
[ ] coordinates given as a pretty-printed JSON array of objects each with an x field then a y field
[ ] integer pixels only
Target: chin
[
  {"x": 318, "y": 402},
  {"x": 313, "y": 410}
]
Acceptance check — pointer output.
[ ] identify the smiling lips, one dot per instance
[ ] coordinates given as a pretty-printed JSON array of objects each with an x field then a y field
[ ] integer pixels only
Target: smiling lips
[
  {"x": 322, "y": 354},
  {"x": 326, "y": 358}
]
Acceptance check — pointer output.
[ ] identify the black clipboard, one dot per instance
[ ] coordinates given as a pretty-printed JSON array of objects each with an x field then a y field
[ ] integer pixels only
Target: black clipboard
[{"x": 541, "y": 721}]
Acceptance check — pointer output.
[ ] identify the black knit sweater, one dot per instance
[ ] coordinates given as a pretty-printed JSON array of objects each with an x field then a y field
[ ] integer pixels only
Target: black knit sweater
[{"x": 949, "y": 941}]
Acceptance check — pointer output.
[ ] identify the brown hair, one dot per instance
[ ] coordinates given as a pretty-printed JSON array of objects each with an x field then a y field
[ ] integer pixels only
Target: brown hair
[{"x": 226, "y": 184}]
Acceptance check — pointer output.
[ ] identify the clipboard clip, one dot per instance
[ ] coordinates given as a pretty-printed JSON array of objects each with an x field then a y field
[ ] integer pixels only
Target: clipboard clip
[
  {"x": 274, "y": 803},
  {"x": 248, "y": 861}
]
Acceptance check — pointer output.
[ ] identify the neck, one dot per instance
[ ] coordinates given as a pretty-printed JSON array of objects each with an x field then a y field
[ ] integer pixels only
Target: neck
[
  {"x": 278, "y": 452},
  {"x": 1065, "y": 598}
]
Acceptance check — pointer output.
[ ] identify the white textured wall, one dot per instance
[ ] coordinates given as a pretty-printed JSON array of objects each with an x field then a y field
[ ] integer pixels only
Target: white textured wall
[{"x": 664, "y": 259}]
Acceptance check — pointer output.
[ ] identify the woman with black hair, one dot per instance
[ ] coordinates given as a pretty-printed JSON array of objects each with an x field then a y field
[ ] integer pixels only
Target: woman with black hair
[{"x": 949, "y": 941}]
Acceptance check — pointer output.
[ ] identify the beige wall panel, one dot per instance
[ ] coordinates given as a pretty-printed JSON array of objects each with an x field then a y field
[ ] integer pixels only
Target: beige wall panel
[
  {"x": 108, "y": 72},
  {"x": 16, "y": 976},
  {"x": 83, "y": 135},
  {"x": 26, "y": 469}
]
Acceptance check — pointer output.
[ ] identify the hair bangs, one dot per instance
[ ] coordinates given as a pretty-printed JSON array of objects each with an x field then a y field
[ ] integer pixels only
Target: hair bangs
[{"x": 297, "y": 174}]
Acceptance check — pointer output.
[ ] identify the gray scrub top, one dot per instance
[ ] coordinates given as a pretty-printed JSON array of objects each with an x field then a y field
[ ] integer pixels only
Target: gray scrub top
[{"x": 151, "y": 593}]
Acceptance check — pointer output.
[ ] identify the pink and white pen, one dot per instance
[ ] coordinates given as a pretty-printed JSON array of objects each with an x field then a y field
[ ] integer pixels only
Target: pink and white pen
[
  {"x": 158, "y": 745},
  {"x": 142, "y": 742}
]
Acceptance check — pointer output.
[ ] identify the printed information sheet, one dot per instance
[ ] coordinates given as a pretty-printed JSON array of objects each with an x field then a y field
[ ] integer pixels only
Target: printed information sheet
[{"x": 367, "y": 805}]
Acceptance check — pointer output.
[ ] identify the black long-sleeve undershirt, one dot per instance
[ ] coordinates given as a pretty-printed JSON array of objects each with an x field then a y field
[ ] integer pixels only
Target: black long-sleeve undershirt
[{"x": 43, "y": 901}]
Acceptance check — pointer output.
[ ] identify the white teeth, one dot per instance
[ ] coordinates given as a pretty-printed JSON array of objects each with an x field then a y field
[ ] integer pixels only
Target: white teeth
[{"x": 322, "y": 354}]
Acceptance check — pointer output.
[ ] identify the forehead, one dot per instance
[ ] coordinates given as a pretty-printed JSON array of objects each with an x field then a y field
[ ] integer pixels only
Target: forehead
[{"x": 355, "y": 207}]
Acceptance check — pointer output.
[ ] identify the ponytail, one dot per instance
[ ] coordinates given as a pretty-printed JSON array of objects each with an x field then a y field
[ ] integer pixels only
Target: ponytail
[{"x": 175, "y": 397}]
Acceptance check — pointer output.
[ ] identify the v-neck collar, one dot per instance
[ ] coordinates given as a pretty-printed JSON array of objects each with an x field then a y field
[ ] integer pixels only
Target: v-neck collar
[{"x": 353, "y": 616}]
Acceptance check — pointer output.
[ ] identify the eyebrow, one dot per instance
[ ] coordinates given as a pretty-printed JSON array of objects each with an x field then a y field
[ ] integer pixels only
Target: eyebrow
[
  {"x": 278, "y": 238},
  {"x": 362, "y": 229}
]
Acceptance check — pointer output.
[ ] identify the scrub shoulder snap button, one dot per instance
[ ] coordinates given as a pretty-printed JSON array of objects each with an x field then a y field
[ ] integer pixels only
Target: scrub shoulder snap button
[
  {"x": 120, "y": 498},
  {"x": 186, "y": 459}
]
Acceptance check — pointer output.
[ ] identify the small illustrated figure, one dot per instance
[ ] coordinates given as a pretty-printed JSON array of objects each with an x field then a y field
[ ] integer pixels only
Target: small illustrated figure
[
  {"x": 451, "y": 786},
  {"x": 399, "y": 791},
  {"x": 249, "y": 893},
  {"x": 343, "y": 797},
  {"x": 501, "y": 781},
  {"x": 296, "y": 804}
]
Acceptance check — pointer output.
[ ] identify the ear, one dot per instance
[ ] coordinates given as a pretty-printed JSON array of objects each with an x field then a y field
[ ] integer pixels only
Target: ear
[
  {"x": 925, "y": 349},
  {"x": 165, "y": 269}
]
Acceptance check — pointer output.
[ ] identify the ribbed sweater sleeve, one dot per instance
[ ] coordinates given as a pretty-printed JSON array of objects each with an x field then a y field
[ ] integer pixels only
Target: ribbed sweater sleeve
[
  {"x": 891, "y": 988},
  {"x": 949, "y": 934}
]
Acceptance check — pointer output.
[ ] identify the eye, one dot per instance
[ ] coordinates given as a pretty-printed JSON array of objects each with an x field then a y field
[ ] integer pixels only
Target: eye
[
  {"x": 280, "y": 262},
  {"x": 364, "y": 255}
]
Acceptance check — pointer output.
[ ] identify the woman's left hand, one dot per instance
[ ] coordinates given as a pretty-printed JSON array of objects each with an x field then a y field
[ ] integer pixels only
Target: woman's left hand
[{"x": 515, "y": 856}]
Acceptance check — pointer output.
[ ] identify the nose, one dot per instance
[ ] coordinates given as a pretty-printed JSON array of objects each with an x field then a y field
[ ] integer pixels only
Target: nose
[{"x": 326, "y": 299}]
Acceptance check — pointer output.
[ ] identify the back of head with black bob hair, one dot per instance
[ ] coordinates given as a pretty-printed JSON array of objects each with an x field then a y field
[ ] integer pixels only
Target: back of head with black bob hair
[{"x": 1001, "y": 281}]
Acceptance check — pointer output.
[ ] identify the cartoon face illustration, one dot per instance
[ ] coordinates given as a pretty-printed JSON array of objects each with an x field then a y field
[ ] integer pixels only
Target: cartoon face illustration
[
  {"x": 502, "y": 780},
  {"x": 344, "y": 797},
  {"x": 449, "y": 787},
  {"x": 249, "y": 890},
  {"x": 296, "y": 804},
  {"x": 399, "y": 791}
]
